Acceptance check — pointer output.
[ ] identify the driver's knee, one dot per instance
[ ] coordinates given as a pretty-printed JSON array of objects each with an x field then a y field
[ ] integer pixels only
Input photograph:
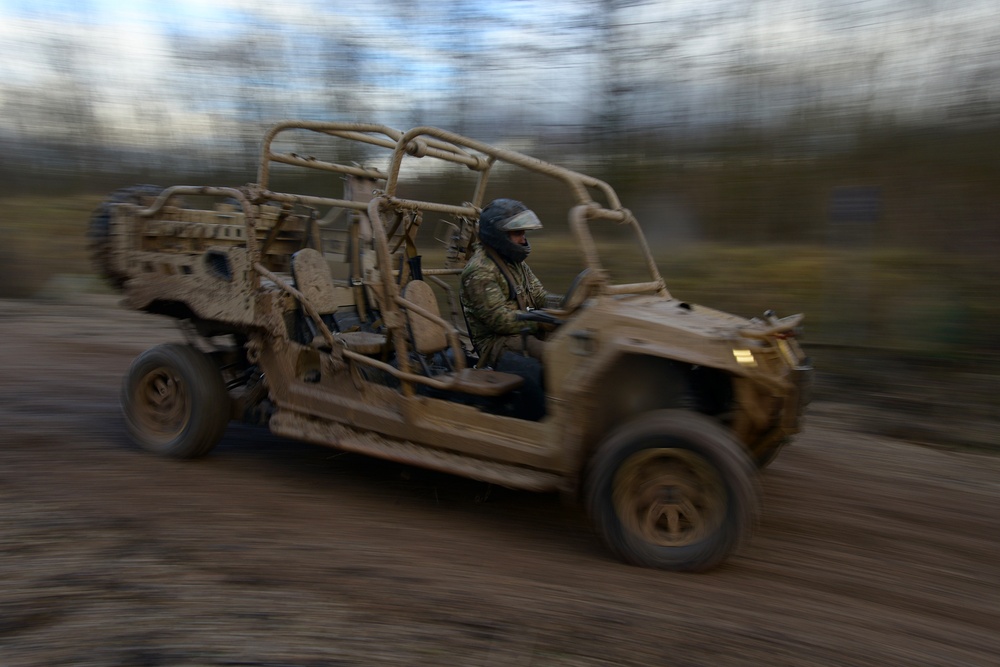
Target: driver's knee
[
  {"x": 534, "y": 347},
  {"x": 520, "y": 345}
]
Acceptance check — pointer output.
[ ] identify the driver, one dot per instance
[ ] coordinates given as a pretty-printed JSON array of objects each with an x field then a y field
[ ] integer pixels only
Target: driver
[{"x": 497, "y": 282}]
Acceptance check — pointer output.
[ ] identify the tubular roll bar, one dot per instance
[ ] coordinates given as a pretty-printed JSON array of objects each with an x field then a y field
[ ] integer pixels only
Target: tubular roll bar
[
  {"x": 367, "y": 133},
  {"x": 439, "y": 144},
  {"x": 422, "y": 142}
]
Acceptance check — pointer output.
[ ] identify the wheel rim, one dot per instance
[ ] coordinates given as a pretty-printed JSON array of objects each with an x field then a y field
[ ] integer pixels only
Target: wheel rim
[
  {"x": 669, "y": 497},
  {"x": 162, "y": 404}
]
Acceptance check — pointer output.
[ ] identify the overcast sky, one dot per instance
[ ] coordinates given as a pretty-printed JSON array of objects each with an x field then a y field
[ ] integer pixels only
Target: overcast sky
[{"x": 542, "y": 59}]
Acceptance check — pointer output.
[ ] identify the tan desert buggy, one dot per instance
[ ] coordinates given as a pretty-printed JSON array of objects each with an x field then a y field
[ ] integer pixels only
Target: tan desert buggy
[{"x": 318, "y": 316}]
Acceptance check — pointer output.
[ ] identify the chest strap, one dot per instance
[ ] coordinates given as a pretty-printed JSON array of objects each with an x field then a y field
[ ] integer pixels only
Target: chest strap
[{"x": 505, "y": 271}]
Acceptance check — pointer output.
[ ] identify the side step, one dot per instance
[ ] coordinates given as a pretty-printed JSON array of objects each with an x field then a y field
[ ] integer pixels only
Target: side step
[{"x": 297, "y": 426}]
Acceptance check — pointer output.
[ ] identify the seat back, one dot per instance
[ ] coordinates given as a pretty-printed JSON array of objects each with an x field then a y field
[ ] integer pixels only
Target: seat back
[
  {"x": 427, "y": 335},
  {"x": 313, "y": 279}
]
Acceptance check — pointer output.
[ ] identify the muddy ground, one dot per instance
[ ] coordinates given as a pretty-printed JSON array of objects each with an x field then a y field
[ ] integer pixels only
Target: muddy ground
[{"x": 871, "y": 550}]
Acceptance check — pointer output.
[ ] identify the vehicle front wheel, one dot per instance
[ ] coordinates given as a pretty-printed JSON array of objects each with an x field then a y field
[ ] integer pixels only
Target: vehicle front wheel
[
  {"x": 175, "y": 402},
  {"x": 672, "y": 489}
]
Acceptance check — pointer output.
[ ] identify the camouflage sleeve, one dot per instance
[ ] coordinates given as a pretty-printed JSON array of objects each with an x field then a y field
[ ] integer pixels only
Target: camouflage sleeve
[
  {"x": 485, "y": 299},
  {"x": 536, "y": 291}
]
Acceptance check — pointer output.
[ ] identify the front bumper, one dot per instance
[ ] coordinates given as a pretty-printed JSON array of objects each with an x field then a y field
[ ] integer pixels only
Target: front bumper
[{"x": 798, "y": 399}]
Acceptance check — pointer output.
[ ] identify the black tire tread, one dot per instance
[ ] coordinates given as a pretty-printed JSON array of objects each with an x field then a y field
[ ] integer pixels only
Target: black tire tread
[
  {"x": 210, "y": 400},
  {"x": 99, "y": 228},
  {"x": 704, "y": 436}
]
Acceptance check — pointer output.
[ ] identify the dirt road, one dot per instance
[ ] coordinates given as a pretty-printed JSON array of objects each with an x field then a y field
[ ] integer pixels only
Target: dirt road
[{"x": 271, "y": 552}]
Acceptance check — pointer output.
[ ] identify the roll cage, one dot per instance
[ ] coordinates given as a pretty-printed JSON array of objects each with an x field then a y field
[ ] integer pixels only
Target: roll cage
[
  {"x": 481, "y": 158},
  {"x": 445, "y": 146}
]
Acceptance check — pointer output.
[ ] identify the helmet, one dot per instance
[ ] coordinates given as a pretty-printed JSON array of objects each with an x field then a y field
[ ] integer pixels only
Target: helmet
[{"x": 501, "y": 216}]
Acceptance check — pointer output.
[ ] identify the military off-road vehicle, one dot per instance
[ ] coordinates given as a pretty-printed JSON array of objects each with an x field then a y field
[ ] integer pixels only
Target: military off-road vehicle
[{"x": 321, "y": 318}]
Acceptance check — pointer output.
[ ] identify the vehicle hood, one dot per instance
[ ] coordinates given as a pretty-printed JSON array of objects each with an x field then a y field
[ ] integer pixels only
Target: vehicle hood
[{"x": 659, "y": 313}]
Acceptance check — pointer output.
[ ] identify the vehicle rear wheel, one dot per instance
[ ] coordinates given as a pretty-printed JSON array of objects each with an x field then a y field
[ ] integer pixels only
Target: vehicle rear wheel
[
  {"x": 175, "y": 402},
  {"x": 674, "y": 490}
]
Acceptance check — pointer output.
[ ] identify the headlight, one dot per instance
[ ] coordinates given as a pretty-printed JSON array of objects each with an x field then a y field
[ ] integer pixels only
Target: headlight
[{"x": 745, "y": 358}]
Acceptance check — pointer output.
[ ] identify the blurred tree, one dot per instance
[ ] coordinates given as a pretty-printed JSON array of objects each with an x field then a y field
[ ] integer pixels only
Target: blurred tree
[{"x": 617, "y": 78}]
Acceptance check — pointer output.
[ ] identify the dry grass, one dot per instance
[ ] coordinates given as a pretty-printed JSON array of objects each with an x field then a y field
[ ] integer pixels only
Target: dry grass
[{"x": 43, "y": 237}]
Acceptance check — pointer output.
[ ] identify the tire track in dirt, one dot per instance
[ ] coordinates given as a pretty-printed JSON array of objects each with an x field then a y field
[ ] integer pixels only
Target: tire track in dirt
[{"x": 272, "y": 552}]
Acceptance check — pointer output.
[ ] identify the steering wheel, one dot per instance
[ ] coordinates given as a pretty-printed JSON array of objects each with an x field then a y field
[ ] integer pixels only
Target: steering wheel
[{"x": 578, "y": 292}]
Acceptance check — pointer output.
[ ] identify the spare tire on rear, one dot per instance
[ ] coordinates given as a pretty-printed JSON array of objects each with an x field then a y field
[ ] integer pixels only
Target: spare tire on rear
[{"x": 99, "y": 241}]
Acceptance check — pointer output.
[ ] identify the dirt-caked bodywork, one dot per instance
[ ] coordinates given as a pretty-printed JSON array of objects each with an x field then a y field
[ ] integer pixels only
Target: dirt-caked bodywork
[{"x": 319, "y": 316}]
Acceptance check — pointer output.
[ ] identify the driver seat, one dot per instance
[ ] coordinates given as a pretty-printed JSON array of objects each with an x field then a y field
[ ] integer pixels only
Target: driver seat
[{"x": 432, "y": 337}]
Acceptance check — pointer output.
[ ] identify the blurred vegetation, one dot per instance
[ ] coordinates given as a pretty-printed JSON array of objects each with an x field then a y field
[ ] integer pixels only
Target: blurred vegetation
[
  {"x": 910, "y": 297},
  {"x": 43, "y": 242}
]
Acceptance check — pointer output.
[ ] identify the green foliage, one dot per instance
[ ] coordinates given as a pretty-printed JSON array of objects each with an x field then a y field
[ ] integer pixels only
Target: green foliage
[
  {"x": 896, "y": 298},
  {"x": 42, "y": 237}
]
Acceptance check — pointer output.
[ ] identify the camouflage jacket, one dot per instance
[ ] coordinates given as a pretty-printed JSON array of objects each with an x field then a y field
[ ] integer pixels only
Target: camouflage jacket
[{"x": 489, "y": 306}]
